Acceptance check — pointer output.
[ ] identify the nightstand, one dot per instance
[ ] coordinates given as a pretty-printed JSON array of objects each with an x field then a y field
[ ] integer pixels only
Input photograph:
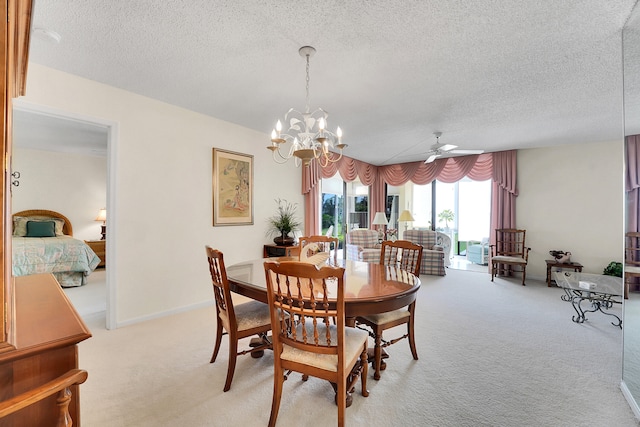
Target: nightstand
[{"x": 99, "y": 247}]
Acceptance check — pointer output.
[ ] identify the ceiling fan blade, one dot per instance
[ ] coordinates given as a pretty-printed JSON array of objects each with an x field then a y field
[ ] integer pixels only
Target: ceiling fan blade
[
  {"x": 432, "y": 158},
  {"x": 448, "y": 147},
  {"x": 466, "y": 151}
]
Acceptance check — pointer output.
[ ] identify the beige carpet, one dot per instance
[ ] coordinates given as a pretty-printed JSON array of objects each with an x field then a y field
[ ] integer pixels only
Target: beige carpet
[{"x": 491, "y": 354}]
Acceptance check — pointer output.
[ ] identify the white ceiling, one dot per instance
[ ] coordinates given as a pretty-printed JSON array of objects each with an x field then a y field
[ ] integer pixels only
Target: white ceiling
[{"x": 489, "y": 74}]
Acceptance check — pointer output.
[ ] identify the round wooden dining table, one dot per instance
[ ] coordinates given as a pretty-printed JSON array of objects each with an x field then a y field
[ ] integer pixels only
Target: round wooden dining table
[{"x": 369, "y": 288}]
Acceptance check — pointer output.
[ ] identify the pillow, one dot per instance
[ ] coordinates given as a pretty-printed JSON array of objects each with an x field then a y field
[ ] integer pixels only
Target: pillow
[
  {"x": 41, "y": 229},
  {"x": 20, "y": 224}
]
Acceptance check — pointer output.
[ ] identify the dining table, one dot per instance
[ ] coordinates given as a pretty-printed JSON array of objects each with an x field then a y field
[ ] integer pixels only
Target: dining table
[{"x": 370, "y": 288}]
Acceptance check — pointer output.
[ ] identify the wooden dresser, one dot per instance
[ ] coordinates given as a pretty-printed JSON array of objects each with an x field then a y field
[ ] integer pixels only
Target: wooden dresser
[{"x": 48, "y": 330}]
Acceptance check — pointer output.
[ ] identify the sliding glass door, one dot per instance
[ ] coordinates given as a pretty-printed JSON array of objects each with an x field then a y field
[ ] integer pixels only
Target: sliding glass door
[{"x": 345, "y": 206}]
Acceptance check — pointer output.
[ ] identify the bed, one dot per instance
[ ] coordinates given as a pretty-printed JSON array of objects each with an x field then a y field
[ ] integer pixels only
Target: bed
[{"x": 43, "y": 243}]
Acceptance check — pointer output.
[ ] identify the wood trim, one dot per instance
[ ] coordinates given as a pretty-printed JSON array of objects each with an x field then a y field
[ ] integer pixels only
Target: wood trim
[{"x": 15, "y": 33}]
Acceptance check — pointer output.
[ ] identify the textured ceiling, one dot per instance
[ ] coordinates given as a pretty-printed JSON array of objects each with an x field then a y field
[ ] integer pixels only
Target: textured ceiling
[{"x": 490, "y": 75}]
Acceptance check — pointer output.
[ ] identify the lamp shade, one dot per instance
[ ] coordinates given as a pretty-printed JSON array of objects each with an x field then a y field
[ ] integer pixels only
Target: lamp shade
[
  {"x": 405, "y": 215},
  {"x": 102, "y": 215},
  {"x": 380, "y": 219}
]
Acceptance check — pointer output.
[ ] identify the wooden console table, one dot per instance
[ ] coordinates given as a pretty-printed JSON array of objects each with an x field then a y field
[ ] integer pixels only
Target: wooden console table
[
  {"x": 552, "y": 263},
  {"x": 273, "y": 250}
]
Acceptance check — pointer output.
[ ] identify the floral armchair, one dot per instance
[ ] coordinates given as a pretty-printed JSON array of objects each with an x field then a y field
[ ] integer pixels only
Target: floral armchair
[
  {"x": 362, "y": 245},
  {"x": 433, "y": 254}
]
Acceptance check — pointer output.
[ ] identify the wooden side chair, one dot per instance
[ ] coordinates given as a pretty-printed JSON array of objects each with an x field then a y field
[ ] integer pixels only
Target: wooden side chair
[
  {"x": 631, "y": 261},
  {"x": 509, "y": 250},
  {"x": 407, "y": 256},
  {"x": 303, "y": 298},
  {"x": 325, "y": 244},
  {"x": 240, "y": 321}
]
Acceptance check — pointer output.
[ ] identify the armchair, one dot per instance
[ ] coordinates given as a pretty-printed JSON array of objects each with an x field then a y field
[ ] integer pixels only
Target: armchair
[
  {"x": 478, "y": 253},
  {"x": 433, "y": 255},
  {"x": 362, "y": 245}
]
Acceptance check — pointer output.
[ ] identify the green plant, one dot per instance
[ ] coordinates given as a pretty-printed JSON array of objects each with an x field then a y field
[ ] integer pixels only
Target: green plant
[
  {"x": 613, "y": 269},
  {"x": 446, "y": 216},
  {"x": 284, "y": 221}
]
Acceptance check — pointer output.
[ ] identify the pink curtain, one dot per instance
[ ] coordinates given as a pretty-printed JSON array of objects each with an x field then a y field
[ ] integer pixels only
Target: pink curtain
[
  {"x": 504, "y": 191},
  {"x": 501, "y": 167},
  {"x": 633, "y": 182}
]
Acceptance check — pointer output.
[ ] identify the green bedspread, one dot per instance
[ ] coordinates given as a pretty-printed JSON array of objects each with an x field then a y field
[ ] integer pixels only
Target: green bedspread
[{"x": 69, "y": 259}]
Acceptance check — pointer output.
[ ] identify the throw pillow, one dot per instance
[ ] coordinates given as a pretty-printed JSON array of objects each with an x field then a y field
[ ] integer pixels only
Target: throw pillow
[{"x": 41, "y": 229}]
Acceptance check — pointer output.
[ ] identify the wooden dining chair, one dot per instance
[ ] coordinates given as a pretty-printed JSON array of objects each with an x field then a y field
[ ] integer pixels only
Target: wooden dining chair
[
  {"x": 325, "y": 244},
  {"x": 303, "y": 298},
  {"x": 631, "y": 261},
  {"x": 407, "y": 256},
  {"x": 509, "y": 250},
  {"x": 239, "y": 321}
]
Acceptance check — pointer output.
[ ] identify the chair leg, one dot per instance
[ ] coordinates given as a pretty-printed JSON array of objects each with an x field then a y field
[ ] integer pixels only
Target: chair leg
[
  {"x": 524, "y": 274},
  {"x": 233, "y": 355},
  {"x": 364, "y": 373},
  {"x": 216, "y": 347},
  {"x": 341, "y": 399},
  {"x": 377, "y": 355},
  {"x": 412, "y": 339},
  {"x": 278, "y": 379},
  {"x": 493, "y": 270}
]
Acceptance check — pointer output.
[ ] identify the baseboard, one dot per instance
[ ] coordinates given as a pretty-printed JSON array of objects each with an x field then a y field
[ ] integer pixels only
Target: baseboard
[
  {"x": 164, "y": 313},
  {"x": 632, "y": 402}
]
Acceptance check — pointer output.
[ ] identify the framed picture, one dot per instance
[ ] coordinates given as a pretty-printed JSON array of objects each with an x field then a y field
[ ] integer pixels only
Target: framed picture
[{"x": 232, "y": 188}]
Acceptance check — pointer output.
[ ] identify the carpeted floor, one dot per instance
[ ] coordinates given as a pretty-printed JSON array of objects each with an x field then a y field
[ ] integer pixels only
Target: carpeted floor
[{"x": 491, "y": 354}]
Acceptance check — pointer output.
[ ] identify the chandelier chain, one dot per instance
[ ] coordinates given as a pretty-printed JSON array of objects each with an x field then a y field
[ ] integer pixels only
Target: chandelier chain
[{"x": 307, "y": 106}]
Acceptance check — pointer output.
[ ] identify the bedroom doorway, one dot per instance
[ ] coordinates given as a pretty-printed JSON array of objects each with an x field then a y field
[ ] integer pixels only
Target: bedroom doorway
[{"x": 83, "y": 147}]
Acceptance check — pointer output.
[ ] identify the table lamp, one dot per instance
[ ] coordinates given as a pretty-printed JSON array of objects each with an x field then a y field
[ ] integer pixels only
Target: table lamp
[
  {"x": 406, "y": 216},
  {"x": 102, "y": 216},
  {"x": 380, "y": 220}
]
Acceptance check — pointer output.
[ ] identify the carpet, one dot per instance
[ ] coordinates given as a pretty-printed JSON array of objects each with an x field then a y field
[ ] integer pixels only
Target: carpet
[{"x": 491, "y": 354}]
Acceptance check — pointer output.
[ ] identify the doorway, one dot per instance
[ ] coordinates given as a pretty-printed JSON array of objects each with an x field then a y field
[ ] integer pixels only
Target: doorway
[{"x": 38, "y": 129}]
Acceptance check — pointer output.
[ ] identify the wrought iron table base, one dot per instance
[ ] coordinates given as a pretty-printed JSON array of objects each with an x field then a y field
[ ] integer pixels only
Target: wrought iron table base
[{"x": 599, "y": 302}]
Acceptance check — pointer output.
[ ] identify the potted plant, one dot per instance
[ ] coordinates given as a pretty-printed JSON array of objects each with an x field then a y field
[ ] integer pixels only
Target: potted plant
[
  {"x": 613, "y": 269},
  {"x": 283, "y": 223}
]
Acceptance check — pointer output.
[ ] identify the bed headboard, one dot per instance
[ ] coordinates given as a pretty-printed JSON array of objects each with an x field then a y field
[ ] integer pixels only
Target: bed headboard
[{"x": 66, "y": 229}]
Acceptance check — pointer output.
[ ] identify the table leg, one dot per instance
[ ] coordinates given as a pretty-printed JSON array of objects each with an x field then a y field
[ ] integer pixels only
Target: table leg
[
  {"x": 601, "y": 305},
  {"x": 548, "y": 275},
  {"x": 576, "y": 301}
]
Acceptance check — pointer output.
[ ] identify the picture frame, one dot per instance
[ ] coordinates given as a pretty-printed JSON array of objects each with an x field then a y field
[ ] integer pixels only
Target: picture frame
[{"x": 232, "y": 188}]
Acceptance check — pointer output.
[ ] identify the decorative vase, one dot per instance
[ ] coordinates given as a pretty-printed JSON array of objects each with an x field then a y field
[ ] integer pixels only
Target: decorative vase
[{"x": 284, "y": 240}]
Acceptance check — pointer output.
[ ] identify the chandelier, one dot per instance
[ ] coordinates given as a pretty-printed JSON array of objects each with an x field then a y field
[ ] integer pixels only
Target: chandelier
[{"x": 307, "y": 133}]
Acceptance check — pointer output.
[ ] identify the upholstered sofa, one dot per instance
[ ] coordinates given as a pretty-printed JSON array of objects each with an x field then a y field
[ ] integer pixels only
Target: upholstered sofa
[
  {"x": 362, "y": 245},
  {"x": 478, "y": 253},
  {"x": 433, "y": 254}
]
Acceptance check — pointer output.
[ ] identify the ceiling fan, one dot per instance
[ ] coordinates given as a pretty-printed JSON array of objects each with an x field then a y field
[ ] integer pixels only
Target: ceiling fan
[{"x": 439, "y": 150}]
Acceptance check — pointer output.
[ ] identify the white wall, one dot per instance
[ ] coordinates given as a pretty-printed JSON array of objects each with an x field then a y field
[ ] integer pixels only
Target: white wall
[
  {"x": 571, "y": 198},
  {"x": 162, "y": 216},
  {"x": 73, "y": 184}
]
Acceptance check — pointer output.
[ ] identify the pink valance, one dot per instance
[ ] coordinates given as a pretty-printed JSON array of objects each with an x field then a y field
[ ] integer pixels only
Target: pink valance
[{"x": 499, "y": 166}]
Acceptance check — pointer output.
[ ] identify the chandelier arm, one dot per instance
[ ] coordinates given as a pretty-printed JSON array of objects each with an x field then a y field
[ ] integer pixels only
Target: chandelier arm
[{"x": 275, "y": 159}]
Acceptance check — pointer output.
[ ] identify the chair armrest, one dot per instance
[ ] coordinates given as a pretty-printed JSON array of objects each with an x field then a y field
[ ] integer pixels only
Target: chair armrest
[{"x": 438, "y": 248}]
